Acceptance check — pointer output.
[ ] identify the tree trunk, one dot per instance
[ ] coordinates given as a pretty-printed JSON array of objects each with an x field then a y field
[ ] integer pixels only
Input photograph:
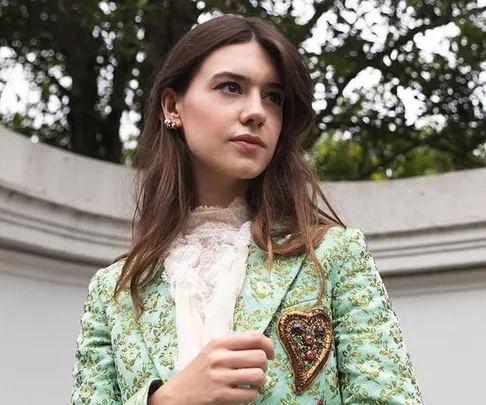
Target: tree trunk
[{"x": 82, "y": 118}]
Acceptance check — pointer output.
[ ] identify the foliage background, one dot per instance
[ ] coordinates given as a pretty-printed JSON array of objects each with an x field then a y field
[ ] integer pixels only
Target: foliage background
[{"x": 400, "y": 86}]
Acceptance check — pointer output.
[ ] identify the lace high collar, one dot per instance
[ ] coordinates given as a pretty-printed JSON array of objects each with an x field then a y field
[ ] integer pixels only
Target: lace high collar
[{"x": 233, "y": 216}]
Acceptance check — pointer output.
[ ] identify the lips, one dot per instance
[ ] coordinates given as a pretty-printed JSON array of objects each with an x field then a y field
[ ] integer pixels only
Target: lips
[
  {"x": 249, "y": 139},
  {"x": 249, "y": 147}
]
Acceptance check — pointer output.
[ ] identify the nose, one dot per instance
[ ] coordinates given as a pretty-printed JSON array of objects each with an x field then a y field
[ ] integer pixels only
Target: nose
[{"x": 253, "y": 112}]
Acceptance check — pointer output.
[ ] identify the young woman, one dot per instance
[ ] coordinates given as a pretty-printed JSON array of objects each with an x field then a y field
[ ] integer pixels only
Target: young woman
[{"x": 242, "y": 285}]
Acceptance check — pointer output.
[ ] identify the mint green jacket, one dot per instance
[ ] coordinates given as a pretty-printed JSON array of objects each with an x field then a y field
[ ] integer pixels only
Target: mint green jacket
[{"x": 367, "y": 362}]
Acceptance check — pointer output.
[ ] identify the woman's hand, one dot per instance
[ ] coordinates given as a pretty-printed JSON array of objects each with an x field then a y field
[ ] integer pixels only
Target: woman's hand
[{"x": 214, "y": 377}]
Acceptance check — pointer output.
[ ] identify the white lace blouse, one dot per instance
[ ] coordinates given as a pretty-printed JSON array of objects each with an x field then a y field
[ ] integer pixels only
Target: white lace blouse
[{"x": 205, "y": 268}]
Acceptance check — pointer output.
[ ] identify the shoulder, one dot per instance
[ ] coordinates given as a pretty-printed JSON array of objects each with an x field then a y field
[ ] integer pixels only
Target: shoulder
[
  {"x": 344, "y": 249},
  {"x": 346, "y": 257},
  {"x": 104, "y": 280},
  {"x": 340, "y": 241}
]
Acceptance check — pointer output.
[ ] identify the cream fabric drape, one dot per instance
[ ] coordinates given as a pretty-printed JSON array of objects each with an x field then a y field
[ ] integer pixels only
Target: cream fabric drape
[{"x": 205, "y": 268}]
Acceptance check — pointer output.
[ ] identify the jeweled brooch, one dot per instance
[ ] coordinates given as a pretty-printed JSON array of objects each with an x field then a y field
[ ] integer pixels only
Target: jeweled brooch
[{"x": 307, "y": 339}]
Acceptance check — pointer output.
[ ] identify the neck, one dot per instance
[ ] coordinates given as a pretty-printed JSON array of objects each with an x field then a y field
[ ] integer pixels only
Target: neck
[{"x": 219, "y": 192}]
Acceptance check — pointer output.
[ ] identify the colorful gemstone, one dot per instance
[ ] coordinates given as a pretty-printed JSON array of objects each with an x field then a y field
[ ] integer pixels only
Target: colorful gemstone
[
  {"x": 319, "y": 331},
  {"x": 309, "y": 340},
  {"x": 293, "y": 328},
  {"x": 297, "y": 329},
  {"x": 310, "y": 355}
]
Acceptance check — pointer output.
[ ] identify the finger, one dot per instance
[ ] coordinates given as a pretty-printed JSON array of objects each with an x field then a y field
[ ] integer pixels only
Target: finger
[
  {"x": 255, "y": 358},
  {"x": 254, "y": 377},
  {"x": 249, "y": 341},
  {"x": 241, "y": 395},
  {"x": 272, "y": 347}
]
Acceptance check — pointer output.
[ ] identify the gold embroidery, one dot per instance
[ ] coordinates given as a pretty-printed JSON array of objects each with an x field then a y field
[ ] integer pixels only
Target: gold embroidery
[{"x": 307, "y": 339}]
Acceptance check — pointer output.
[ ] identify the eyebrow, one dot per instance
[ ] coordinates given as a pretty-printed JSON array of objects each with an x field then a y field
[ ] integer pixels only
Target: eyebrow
[{"x": 242, "y": 78}]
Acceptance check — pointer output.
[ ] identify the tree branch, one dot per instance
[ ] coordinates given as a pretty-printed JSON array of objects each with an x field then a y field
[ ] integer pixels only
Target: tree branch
[
  {"x": 319, "y": 10},
  {"x": 386, "y": 162},
  {"x": 377, "y": 58}
]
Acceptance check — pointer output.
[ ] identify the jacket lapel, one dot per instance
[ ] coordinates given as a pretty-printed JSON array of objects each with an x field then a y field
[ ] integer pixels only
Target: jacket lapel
[
  {"x": 157, "y": 324},
  {"x": 264, "y": 289},
  {"x": 259, "y": 299}
]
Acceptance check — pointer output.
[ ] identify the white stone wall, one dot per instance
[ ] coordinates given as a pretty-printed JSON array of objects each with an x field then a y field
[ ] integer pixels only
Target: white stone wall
[{"x": 63, "y": 216}]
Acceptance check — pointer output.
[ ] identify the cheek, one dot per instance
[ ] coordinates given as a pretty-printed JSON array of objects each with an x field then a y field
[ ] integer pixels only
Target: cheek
[
  {"x": 196, "y": 115},
  {"x": 275, "y": 133},
  {"x": 204, "y": 122},
  {"x": 198, "y": 126}
]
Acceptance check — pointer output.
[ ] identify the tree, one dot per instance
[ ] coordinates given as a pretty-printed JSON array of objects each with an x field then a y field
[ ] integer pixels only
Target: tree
[
  {"x": 93, "y": 60},
  {"x": 104, "y": 50}
]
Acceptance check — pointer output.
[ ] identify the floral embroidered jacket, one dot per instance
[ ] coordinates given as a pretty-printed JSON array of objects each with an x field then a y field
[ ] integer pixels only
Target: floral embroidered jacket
[{"x": 118, "y": 358}]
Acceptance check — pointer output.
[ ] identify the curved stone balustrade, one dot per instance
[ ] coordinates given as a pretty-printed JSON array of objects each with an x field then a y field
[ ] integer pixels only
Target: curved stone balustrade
[{"x": 57, "y": 204}]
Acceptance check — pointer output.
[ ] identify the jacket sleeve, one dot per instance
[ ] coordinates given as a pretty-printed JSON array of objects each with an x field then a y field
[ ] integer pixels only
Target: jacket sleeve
[
  {"x": 373, "y": 363},
  {"x": 95, "y": 379}
]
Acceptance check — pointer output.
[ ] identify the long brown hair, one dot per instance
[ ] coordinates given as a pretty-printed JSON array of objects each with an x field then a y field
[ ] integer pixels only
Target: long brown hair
[{"x": 287, "y": 193}]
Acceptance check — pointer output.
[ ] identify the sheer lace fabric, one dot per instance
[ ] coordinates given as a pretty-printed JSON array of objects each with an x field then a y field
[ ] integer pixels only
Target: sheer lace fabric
[{"x": 205, "y": 268}]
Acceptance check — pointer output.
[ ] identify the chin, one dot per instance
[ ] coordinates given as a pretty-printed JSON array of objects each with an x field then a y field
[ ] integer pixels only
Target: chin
[
  {"x": 247, "y": 173},
  {"x": 247, "y": 169}
]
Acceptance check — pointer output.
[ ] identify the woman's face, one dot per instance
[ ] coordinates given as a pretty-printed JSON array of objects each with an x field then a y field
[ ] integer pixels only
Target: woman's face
[{"x": 231, "y": 113}]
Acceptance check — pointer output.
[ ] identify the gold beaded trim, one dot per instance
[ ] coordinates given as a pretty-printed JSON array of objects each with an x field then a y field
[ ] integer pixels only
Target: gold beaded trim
[{"x": 307, "y": 339}]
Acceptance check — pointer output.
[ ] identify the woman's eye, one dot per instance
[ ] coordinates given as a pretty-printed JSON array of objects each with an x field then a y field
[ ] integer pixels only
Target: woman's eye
[
  {"x": 276, "y": 98},
  {"x": 230, "y": 87}
]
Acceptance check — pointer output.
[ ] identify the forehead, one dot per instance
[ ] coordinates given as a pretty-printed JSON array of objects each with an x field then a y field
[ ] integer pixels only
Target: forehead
[{"x": 249, "y": 59}]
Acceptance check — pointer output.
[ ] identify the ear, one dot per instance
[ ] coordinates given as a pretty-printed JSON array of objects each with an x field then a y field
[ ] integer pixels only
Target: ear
[{"x": 170, "y": 103}]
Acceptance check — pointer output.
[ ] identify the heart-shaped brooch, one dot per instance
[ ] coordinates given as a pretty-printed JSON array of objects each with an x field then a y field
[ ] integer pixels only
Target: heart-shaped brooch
[{"x": 307, "y": 339}]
